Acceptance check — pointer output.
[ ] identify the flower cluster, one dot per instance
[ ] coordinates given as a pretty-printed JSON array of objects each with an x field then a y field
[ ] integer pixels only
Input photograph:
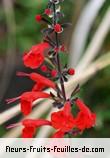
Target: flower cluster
[{"x": 45, "y": 56}]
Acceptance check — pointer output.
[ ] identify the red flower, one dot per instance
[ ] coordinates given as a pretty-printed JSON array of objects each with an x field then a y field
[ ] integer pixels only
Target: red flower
[
  {"x": 57, "y": 28},
  {"x": 42, "y": 82},
  {"x": 27, "y": 99},
  {"x": 38, "y": 18},
  {"x": 30, "y": 126},
  {"x": 35, "y": 57},
  {"x": 85, "y": 119},
  {"x": 63, "y": 120}
]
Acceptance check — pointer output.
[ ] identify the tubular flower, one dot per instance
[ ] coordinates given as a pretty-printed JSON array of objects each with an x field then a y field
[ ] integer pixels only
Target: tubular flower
[
  {"x": 35, "y": 57},
  {"x": 30, "y": 126},
  {"x": 26, "y": 100},
  {"x": 63, "y": 120},
  {"x": 85, "y": 118},
  {"x": 41, "y": 81}
]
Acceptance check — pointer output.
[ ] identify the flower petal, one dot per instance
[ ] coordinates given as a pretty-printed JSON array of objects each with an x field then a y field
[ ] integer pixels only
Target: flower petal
[
  {"x": 58, "y": 134},
  {"x": 28, "y": 132},
  {"x": 35, "y": 57},
  {"x": 26, "y": 106},
  {"x": 35, "y": 122}
]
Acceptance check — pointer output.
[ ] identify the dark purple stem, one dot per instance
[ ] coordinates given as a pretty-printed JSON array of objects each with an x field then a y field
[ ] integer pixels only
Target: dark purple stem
[{"x": 58, "y": 58}]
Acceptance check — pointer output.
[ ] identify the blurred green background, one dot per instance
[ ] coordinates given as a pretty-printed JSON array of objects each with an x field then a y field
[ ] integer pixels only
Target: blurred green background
[{"x": 19, "y": 31}]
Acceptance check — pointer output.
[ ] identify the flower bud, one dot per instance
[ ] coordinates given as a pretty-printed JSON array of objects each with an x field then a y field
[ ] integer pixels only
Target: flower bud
[
  {"x": 71, "y": 71},
  {"x": 58, "y": 28},
  {"x": 38, "y": 18},
  {"x": 54, "y": 73}
]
